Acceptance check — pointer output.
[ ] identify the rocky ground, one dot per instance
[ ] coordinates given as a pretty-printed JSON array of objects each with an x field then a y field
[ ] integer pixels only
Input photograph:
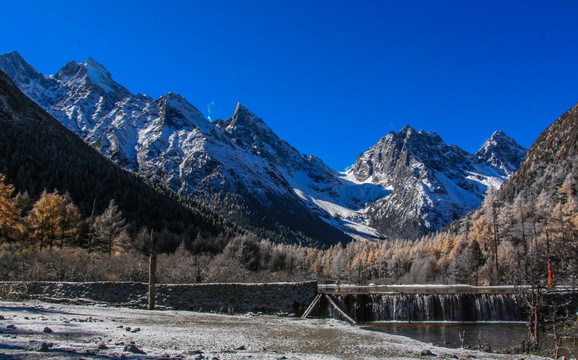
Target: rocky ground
[{"x": 37, "y": 330}]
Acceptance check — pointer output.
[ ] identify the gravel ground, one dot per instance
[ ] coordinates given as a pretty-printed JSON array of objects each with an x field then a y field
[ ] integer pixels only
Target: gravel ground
[{"x": 38, "y": 330}]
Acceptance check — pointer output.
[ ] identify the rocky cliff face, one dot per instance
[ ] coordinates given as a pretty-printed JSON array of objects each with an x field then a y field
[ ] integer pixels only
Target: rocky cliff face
[
  {"x": 501, "y": 153},
  {"x": 409, "y": 183},
  {"x": 432, "y": 183}
]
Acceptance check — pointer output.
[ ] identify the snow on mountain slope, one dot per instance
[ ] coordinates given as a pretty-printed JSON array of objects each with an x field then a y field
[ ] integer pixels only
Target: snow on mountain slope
[
  {"x": 432, "y": 183},
  {"x": 326, "y": 192},
  {"x": 407, "y": 184},
  {"x": 501, "y": 153}
]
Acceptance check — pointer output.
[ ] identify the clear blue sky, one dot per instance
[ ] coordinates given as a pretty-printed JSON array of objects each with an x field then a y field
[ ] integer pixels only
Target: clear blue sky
[{"x": 329, "y": 77}]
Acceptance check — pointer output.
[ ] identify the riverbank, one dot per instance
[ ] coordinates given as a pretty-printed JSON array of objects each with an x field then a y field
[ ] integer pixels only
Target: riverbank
[{"x": 71, "y": 332}]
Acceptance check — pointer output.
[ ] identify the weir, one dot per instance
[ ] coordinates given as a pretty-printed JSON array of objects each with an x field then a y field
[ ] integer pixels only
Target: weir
[
  {"x": 431, "y": 307},
  {"x": 423, "y": 304}
]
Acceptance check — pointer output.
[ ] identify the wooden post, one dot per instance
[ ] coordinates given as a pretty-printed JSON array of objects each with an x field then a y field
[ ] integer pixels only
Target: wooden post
[
  {"x": 311, "y": 306},
  {"x": 343, "y": 313},
  {"x": 152, "y": 274}
]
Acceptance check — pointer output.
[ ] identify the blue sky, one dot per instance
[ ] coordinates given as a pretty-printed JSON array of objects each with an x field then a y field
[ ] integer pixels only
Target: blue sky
[{"x": 329, "y": 77}]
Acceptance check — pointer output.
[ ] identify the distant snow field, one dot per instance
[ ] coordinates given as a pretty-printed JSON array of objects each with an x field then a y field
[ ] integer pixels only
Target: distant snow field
[{"x": 37, "y": 330}]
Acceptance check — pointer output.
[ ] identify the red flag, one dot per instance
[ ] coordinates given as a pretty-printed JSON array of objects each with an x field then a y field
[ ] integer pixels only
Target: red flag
[{"x": 550, "y": 275}]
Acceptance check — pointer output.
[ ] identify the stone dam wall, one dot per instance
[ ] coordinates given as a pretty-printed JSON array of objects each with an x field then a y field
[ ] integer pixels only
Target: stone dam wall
[{"x": 269, "y": 298}]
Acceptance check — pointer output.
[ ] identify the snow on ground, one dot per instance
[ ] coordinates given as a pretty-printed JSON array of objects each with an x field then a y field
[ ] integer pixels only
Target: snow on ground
[{"x": 90, "y": 332}]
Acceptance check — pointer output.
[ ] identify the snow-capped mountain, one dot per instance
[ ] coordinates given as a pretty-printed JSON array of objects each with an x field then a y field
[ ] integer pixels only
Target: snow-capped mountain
[
  {"x": 502, "y": 153},
  {"x": 326, "y": 192},
  {"x": 241, "y": 168},
  {"x": 432, "y": 183},
  {"x": 226, "y": 164}
]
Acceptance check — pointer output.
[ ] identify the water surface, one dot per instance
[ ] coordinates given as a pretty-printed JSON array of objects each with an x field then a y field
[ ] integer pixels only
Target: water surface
[{"x": 497, "y": 336}]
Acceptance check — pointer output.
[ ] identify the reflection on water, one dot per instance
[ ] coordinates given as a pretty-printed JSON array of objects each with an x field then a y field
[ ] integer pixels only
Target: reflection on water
[{"x": 497, "y": 336}]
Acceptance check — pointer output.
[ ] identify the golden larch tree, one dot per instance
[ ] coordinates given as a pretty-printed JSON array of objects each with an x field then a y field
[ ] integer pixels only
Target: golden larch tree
[
  {"x": 9, "y": 220},
  {"x": 54, "y": 218}
]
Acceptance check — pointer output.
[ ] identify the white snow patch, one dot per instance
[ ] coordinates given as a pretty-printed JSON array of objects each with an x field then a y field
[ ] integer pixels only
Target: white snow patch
[
  {"x": 342, "y": 197},
  {"x": 98, "y": 75}
]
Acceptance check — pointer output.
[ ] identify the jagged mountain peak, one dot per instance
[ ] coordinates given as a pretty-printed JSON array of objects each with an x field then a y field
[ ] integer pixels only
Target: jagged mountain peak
[
  {"x": 421, "y": 135},
  {"x": 244, "y": 117},
  {"x": 499, "y": 133},
  {"x": 498, "y": 137},
  {"x": 393, "y": 136},
  {"x": 96, "y": 71},
  {"x": 14, "y": 56},
  {"x": 407, "y": 130},
  {"x": 179, "y": 113},
  {"x": 398, "y": 150},
  {"x": 250, "y": 132},
  {"x": 69, "y": 70},
  {"x": 18, "y": 69},
  {"x": 174, "y": 97},
  {"x": 14, "y": 64},
  {"x": 100, "y": 77},
  {"x": 90, "y": 74},
  {"x": 92, "y": 62},
  {"x": 409, "y": 135},
  {"x": 502, "y": 152},
  {"x": 422, "y": 146}
]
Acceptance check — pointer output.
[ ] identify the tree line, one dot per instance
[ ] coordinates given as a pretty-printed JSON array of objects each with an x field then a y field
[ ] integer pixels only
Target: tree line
[{"x": 502, "y": 243}]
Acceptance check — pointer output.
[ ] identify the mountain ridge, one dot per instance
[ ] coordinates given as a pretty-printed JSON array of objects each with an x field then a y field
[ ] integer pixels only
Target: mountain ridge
[{"x": 240, "y": 167}]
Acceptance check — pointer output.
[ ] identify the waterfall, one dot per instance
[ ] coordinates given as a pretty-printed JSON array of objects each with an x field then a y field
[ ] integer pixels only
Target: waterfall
[{"x": 432, "y": 307}]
